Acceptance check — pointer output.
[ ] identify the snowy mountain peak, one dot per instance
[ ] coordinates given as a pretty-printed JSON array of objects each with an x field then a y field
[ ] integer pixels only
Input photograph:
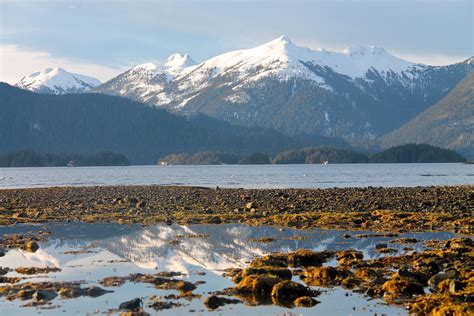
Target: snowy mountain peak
[
  {"x": 57, "y": 81},
  {"x": 178, "y": 60},
  {"x": 469, "y": 61},
  {"x": 364, "y": 50}
]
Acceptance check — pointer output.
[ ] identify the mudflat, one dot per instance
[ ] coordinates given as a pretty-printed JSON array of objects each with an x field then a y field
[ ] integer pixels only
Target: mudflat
[{"x": 407, "y": 209}]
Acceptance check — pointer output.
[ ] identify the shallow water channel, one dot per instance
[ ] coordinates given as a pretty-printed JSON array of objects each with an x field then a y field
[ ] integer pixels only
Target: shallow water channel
[{"x": 91, "y": 252}]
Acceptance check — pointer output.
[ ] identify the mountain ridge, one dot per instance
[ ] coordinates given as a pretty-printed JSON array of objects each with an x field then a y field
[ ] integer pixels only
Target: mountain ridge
[
  {"x": 57, "y": 81},
  {"x": 448, "y": 123},
  {"x": 87, "y": 123},
  {"x": 357, "y": 95}
]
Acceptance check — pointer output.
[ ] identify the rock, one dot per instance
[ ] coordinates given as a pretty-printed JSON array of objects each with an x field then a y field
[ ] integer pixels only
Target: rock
[
  {"x": 459, "y": 243},
  {"x": 184, "y": 286},
  {"x": 213, "y": 301},
  {"x": 271, "y": 260},
  {"x": 387, "y": 250},
  {"x": 346, "y": 236},
  {"x": 70, "y": 292},
  {"x": 35, "y": 270},
  {"x": 305, "y": 301},
  {"x": 349, "y": 257},
  {"x": 369, "y": 275},
  {"x": 250, "y": 205},
  {"x": 282, "y": 273},
  {"x": 160, "y": 305},
  {"x": 95, "y": 291},
  {"x": 436, "y": 279},
  {"x": 113, "y": 281},
  {"x": 380, "y": 246},
  {"x": 31, "y": 246},
  {"x": 286, "y": 292},
  {"x": 257, "y": 285},
  {"x": 44, "y": 295},
  {"x": 398, "y": 287},
  {"x": 2, "y": 253},
  {"x": 140, "y": 204},
  {"x": 132, "y": 305},
  {"x": 135, "y": 313},
  {"x": 415, "y": 275},
  {"x": 26, "y": 294},
  {"x": 308, "y": 258},
  {"x": 451, "y": 286},
  {"x": 323, "y": 276}
]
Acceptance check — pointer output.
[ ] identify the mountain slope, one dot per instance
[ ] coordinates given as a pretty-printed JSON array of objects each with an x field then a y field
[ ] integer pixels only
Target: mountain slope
[
  {"x": 449, "y": 123},
  {"x": 57, "y": 81},
  {"x": 88, "y": 123},
  {"x": 358, "y": 94}
]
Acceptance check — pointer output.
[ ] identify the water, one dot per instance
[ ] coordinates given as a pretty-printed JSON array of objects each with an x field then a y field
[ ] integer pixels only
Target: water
[
  {"x": 120, "y": 250},
  {"x": 253, "y": 176}
]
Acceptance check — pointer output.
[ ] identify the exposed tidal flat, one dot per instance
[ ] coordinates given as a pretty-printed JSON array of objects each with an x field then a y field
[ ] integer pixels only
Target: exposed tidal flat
[
  {"x": 447, "y": 208},
  {"x": 180, "y": 250}
]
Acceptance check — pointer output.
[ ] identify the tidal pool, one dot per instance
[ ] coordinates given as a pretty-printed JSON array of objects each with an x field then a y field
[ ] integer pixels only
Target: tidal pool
[{"x": 91, "y": 252}]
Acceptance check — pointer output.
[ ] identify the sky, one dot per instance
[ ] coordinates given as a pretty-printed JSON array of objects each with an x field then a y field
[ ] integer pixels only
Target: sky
[{"x": 104, "y": 38}]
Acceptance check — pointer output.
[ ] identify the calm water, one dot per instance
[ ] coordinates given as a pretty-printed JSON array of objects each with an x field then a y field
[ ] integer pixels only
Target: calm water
[
  {"x": 261, "y": 176},
  {"x": 120, "y": 250}
]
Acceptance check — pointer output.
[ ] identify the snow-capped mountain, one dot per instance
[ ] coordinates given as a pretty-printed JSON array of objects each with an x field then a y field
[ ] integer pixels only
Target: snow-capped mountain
[
  {"x": 357, "y": 94},
  {"x": 57, "y": 81}
]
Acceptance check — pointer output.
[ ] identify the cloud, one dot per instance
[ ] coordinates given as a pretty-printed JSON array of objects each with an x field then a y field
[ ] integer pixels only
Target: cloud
[{"x": 16, "y": 62}]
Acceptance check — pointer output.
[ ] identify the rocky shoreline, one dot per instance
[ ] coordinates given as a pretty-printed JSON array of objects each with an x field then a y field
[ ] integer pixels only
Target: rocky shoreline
[
  {"x": 449, "y": 208},
  {"x": 285, "y": 279}
]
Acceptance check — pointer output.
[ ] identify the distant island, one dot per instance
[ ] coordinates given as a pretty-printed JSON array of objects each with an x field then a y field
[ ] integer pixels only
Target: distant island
[
  {"x": 28, "y": 158},
  {"x": 409, "y": 153}
]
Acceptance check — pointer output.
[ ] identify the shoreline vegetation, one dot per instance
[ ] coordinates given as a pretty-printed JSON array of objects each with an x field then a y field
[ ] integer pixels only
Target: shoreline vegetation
[
  {"x": 410, "y": 153},
  {"x": 28, "y": 158},
  {"x": 377, "y": 209}
]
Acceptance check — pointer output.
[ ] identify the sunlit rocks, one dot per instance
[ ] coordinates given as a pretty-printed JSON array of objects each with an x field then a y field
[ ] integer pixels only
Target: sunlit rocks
[
  {"x": 31, "y": 246},
  {"x": 285, "y": 293}
]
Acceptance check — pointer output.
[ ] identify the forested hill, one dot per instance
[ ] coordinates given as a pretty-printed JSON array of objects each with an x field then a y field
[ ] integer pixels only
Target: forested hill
[{"x": 90, "y": 123}]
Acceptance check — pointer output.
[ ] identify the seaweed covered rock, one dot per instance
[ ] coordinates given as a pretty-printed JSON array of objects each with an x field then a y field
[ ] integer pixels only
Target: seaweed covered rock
[
  {"x": 271, "y": 260},
  {"x": 258, "y": 285},
  {"x": 349, "y": 257},
  {"x": 282, "y": 273},
  {"x": 308, "y": 258},
  {"x": 325, "y": 276},
  {"x": 398, "y": 287},
  {"x": 286, "y": 292}
]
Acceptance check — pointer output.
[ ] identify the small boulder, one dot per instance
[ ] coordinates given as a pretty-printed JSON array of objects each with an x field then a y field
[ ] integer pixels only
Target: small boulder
[
  {"x": 31, "y": 246},
  {"x": 44, "y": 295},
  {"x": 132, "y": 305},
  {"x": 286, "y": 292},
  {"x": 257, "y": 285},
  {"x": 213, "y": 301},
  {"x": 436, "y": 279},
  {"x": 95, "y": 291},
  {"x": 308, "y": 258},
  {"x": 398, "y": 287}
]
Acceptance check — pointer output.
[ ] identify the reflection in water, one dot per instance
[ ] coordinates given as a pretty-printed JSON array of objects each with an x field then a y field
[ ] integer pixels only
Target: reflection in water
[{"x": 91, "y": 252}]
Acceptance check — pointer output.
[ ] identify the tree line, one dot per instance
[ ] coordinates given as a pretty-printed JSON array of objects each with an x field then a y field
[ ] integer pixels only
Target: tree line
[
  {"x": 409, "y": 153},
  {"x": 29, "y": 158}
]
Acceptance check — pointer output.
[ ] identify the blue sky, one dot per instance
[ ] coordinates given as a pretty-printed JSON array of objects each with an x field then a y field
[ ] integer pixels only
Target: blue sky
[{"x": 102, "y": 38}]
